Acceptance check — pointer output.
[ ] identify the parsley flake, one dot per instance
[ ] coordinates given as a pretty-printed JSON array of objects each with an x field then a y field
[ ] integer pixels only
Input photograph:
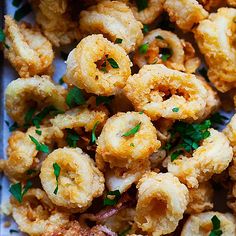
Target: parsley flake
[
  {"x": 93, "y": 136},
  {"x": 37, "y": 131},
  {"x": 141, "y": 4},
  {"x": 75, "y": 97},
  {"x": 12, "y": 127},
  {"x": 216, "y": 231},
  {"x": 22, "y": 11},
  {"x": 39, "y": 146},
  {"x": 175, "y": 109},
  {"x": 103, "y": 100},
  {"x": 12, "y": 231},
  {"x": 31, "y": 171},
  {"x": 112, "y": 198},
  {"x": 17, "y": 191},
  {"x": 159, "y": 37},
  {"x": 175, "y": 155},
  {"x": 57, "y": 170},
  {"x": 113, "y": 63},
  {"x": 145, "y": 28},
  {"x": 166, "y": 53},
  {"x": 3, "y": 38},
  {"x": 143, "y": 48},
  {"x": 132, "y": 145},
  {"x": 72, "y": 138},
  {"x": 28, "y": 117},
  {"x": 118, "y": 41},
  {"x": 132, "y": 131}
]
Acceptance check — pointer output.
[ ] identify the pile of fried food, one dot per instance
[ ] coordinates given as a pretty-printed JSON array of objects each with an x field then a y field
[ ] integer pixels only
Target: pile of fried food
[{"x": 126, "y": 143}]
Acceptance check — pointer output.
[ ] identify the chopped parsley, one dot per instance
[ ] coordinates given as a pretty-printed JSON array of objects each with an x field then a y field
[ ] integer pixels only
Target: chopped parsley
[
  {"x": 143, "y": 48},
  {"x": 145, "y": 29},
  {"x": 159, "y": 37},
  {"x": 12, "y": 127},
  {"x": 112, "y": 198},
  {"x": 141, "y": 4},
  {"x": 165, "y": 54},
  {"x": 31, "y": 171},
  {"x": 17, "y": 191},
  {"x": 37, "y": 131},
  {"x": 113, "y": 63},
  {"x": 12, "y": 231},
  {"x": 72, "y": 138},
  {"x": 175, "y": 155},
  {"x": 75, "y": 97},
  {"x": 132, "y": 145},
  {"x": 103, "y": 100},
  {"x": 216, "y": 231},
  {"x": 93, "y": 136},
  {"x": 118, "y": 41},
  {"x": 28, "y": 117},
  {"x": 39, "y": 146},
  {"x": 57, "y": 170},
  {"x": 175, "y": 109},
  {"x": 16, "y": 3},
  {"x": 3, "y": 39},
  {"x": 132, "y": 131},
  {"x": 141, "y": 112},
  {"x": 22, "y": 11}
]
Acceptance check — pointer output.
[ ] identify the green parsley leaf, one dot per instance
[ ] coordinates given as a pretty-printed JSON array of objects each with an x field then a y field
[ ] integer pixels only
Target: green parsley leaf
[
  {"x": 3, "y": 38},
  {"x": 28, "y": 116},
  {"x": 12, "y": 127},
  {"x": 143, "y": 48},
  {"x": 141, "y": 4},
  {"x": 31, "y": 171},
  {"x": 175, "y": 109},
  {"x": 165, "y": 57},
  {"x": 61, "y": 81},
  {"x": 118, "y": 41},
  {"x": 215, "y": 227},
  {"x": 57, "y": 170},
  {"x": 39, "y": 146},
  {"x": 75, "y": 97},
  {"x": 132, "y": 131},
  {"x": 132, "y": 145},
  {"x": 16, "y": 3},
  {"x": 113, "y": 63},
  {"x": 12, "y": 231},
  {"x": 72, "y": 138},
  {"x": 141, "y": 112},
  {"x": 17, "y": 191},
  {"x": 93, "y": 136},
  {"x": 64, "y": 55},
  {"x": 159, "y": 37},
  {"x": 37, "y": 131},
  {"x": 166, "y": 53},
  {"x": 103, "y": 100},
  {"x": 145, "y": 29},
  {"x": 175, "y": 155},
  {"x": 110, "y": 200},
  {"x": 22, "y": 11}
]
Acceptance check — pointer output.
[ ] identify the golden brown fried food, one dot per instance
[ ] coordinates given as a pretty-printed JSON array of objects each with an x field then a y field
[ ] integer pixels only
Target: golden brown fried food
[
  {"x": 98, "y": 66},
  {"x": 209, "y": 4},
  {"x": 215, "y": 38},
  {"x": 162, "y": 200},
  {"x": 232, "y": 3},
  {"x": 29, "y": 52},
  {"x": 79, "y": 181},
  {"x": 212, "y": 157},
  {"x": 157, "y": 90},
  {"x": 36, "y": 91},
  {"x": 22, "y": 153},
  {"x": 115, "y": 20},
  {"x": 164, "y": 47},
  {"x": 55, "y": 20},
  {"x": 201, "y": 224},
  {"x": 36, "y": 214},
  {"x": 185, "y": 13},
  {"x": 200, "y": 199}
]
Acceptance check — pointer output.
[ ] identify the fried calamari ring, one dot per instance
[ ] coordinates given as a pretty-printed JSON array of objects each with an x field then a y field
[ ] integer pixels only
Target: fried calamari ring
[
  {"x": 161, "y": 43},
  {"x": 115, "y": 20},
  {"x": 185, "y": 13},
  {"x": 212, "y": 157},
  {"x": 215, "y": 38},
  {"x": 21, "y": 94},
  {"x": 119, "y": 147},
  {"x": 200, "y": 199},
  {"x": 22, "y": 153},
  {"x": 157, "y": 90},
  {"x": 55, "y": 20},
  {"x": 28, "y": 51},
  {"x": 79, "y": 181},
  {"x": 36, "y": 214},
  {"x": 162, "y": 200},
  {"x": 90, "y": 66},
  {"x": 148, "y": 14},
  {"x": 201, "y": 224}
]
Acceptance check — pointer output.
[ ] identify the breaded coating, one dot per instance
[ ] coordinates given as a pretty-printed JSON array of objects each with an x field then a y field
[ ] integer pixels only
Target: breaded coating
[
  {"x": 36, "y": 214},
  {"x": 162, "y": 200},
  {"x": 54, "y": 17},
  {"x": 36, "y": 91},
  {"x": 232, "y": 3},
  {"x": 28, "y": 51},
  {"x": 150, "y": 13},
  {"x": 90, "y": 66},
  {"x": 212, "y": 157},
  {"x": 200, "y": 199},
  {"x": 215, "y": 38},
  {"x": 201, "y": 224},
  {"x": 185, "y": 13},
  {"x": 79, "y": 181},
  {"x": 115, "y": 20},
  {"x": 181, "y": 54},
  {"x": 157, "y": 90},
  {"x": 209, "y": 4},
  {"x": 22, "y": 154}
]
